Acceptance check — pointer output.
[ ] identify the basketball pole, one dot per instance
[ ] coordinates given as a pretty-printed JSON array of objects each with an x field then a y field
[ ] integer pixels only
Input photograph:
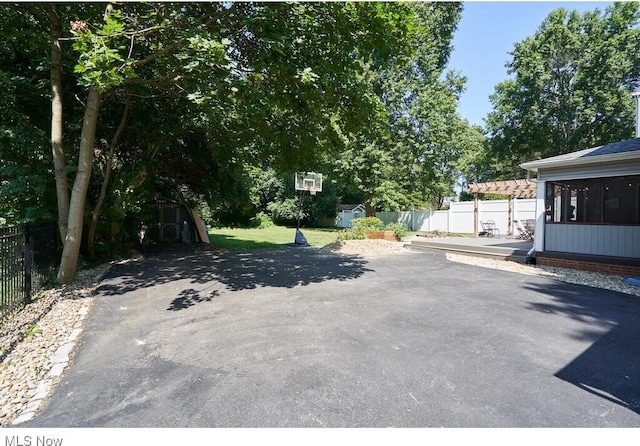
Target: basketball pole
[
  {"x": 299, "y": 239},
  {"x": 305, "y": 181},
  {"x": 300, "y": 209}
]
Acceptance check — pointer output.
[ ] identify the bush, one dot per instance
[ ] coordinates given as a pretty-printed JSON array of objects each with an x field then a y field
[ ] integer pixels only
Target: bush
[
  {"x": 285, "y": 212},
  {"x": 362, "y": 226},
  {"x": 368, "y": 224},
  {"x": 399, "y": 229},
  {"x": 351, "y": 234},
  {"x": 262, "y": 221}
]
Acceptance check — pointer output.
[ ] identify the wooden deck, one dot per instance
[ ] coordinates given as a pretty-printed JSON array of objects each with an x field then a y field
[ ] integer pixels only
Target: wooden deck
[{"x": 490, "y": 247}]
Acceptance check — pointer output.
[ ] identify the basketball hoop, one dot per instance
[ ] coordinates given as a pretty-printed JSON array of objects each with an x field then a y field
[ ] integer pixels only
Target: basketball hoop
[
  {"x": 305, "y": 181},
  {"x": 308, "y": 181}
]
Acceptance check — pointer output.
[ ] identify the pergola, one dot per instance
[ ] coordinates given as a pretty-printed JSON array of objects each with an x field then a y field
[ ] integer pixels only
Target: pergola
[{"x": 510, "y": 188}]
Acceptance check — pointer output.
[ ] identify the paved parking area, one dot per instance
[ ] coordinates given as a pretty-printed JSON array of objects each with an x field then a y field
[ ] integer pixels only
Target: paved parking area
[{"x": 297, "y": 337}]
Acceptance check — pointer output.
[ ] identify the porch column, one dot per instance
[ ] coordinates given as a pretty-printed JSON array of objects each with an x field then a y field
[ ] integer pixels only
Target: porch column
[{"x": 538, "y": 238}]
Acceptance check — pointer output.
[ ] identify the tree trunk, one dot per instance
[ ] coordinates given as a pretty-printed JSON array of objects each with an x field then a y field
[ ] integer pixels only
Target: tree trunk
[
  {"x": 93, "y": 223},
  {"x": 59, "y": 161},
  {"x": 69, "y": 261},
  {"x": 369, "y": 211}
]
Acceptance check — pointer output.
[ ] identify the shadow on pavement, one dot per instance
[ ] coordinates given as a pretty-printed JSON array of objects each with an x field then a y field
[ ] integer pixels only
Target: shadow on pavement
[
  {"x": 610, "y": 367},
  {"x": 212, "y": 271}
]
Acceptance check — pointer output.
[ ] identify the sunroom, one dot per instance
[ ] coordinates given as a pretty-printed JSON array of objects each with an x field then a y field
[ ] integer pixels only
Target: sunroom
[{"x": 588, "y": 208}]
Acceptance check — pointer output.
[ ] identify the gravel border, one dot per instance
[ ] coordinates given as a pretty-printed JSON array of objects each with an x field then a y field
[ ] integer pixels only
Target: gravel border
[
  {"x": 37, "y": 343},
  {"x": 596, "y": 280}
]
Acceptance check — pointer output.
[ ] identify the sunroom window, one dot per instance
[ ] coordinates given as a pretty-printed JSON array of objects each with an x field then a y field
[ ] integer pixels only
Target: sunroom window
[
  {"x": 599, "y": 200},
  {"x": 622, "y": 199}
]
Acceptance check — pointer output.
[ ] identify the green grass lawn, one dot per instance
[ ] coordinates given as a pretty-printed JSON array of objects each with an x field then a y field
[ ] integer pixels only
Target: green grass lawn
[{"x": 272, "y": 237}]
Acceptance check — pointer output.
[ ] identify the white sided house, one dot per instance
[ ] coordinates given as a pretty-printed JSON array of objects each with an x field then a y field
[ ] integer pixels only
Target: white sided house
[{"x": 588, "y": 208}]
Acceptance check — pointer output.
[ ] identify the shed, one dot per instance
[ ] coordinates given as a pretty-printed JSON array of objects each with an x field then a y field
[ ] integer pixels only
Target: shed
[
  {"x": 347, "y": 212},
  {"x": 173, "y": 221},
  {"x": 588, "y": 208}
]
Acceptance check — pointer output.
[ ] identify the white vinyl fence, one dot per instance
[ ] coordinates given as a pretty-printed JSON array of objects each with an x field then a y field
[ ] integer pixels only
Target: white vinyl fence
[{"x": 459, "y": 217}]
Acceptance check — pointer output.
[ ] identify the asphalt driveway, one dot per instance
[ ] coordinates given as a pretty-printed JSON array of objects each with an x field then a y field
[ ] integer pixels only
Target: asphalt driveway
[{"x": 297, "y": 337}]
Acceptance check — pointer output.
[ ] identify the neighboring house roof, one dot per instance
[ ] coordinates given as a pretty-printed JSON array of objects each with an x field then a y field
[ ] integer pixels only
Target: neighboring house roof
[
  {"x": 351, "y": 207},
  {"x": 617, "y": 151}
]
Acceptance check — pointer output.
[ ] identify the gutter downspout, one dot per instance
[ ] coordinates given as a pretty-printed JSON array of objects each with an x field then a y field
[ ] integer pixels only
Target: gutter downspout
[{"x": 636, "y": 96}]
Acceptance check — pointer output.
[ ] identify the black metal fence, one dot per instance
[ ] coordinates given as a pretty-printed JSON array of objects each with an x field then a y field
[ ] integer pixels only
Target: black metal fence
[{"x": 29, "y": 259}]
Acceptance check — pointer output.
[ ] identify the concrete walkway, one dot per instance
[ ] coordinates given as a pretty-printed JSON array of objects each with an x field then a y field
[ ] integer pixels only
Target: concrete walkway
[{"x": 301, "y": 338}]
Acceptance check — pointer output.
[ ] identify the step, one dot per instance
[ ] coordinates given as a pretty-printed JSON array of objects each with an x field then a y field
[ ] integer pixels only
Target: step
[{"x": 499, "y": 253}]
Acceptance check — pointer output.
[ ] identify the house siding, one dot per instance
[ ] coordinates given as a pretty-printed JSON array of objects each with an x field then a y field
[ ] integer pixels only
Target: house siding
[
  {"x": 621, "y": 168},
  {"x": 598, "y": 240},
  {"x": 607, "y": 248}
]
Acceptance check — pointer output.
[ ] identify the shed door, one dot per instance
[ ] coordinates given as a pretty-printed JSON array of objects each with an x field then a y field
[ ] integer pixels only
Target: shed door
[{"x": 170, "y": 223}]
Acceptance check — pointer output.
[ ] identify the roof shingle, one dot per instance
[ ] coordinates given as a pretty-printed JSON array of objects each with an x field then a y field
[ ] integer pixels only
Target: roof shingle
[{"x": 629, "y": 146}]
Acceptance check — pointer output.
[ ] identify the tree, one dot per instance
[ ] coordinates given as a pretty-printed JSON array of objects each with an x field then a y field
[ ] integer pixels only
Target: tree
[
  {"x": 25, "y": 176},
  {"x": 26, "y": 180},
  {"x": 472, "y": 166},
  {"x": 246, "y": 82},
  {"x": 99, "y": 71},
  {"x": 59, "y": 158},
  {"x": 570, "y": 88},
  {"x": 399, "y": 160}
]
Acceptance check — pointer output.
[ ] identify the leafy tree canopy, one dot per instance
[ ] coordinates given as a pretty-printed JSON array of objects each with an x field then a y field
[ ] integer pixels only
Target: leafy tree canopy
[
  {"x": 209, "y": 88},
  {"x": 405, "y": 157},
  {"x": 570, "y": 88}
]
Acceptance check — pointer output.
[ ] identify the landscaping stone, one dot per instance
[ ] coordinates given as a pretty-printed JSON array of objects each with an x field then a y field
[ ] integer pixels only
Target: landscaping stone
[{"x": 37, "y": 342}]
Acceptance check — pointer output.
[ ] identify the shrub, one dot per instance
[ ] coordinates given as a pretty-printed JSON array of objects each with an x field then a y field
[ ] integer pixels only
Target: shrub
[
  {"x": 261, "y": 221},
  {"x": 368, "y": 224},
  {"x": 285, "y": 212},
  {"x": 399, "y": 229},
  {"x": 351, "y": 234}
]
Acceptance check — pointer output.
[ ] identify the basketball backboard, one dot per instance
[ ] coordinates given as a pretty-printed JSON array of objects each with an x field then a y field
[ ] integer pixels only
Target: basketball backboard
[{"x": 310, "y": 181}]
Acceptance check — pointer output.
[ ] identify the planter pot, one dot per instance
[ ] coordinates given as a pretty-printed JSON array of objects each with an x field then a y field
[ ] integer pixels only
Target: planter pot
[{"x": 382, "y": 235}]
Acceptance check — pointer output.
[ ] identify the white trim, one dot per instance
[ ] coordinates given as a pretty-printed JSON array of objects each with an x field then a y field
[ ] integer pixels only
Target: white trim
[
  {"x": 538, "y": 239},
  {"x": 638, "y": 203},
  {"x": 595, "y": 171},
  {"x": 570, "y": 162}
]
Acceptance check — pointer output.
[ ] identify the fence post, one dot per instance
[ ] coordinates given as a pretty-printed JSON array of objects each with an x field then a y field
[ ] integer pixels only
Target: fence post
[
  {"x": 28, "y": 262},
  {"x": 475, "y": 214}
]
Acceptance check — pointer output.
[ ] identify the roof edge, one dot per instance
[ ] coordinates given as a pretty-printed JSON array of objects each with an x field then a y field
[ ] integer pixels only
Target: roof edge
[{"x": 533, "y": 166}]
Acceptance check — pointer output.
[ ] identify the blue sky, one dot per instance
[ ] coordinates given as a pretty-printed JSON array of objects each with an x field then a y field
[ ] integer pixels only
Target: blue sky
[{"x": 486, "y": 34}]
